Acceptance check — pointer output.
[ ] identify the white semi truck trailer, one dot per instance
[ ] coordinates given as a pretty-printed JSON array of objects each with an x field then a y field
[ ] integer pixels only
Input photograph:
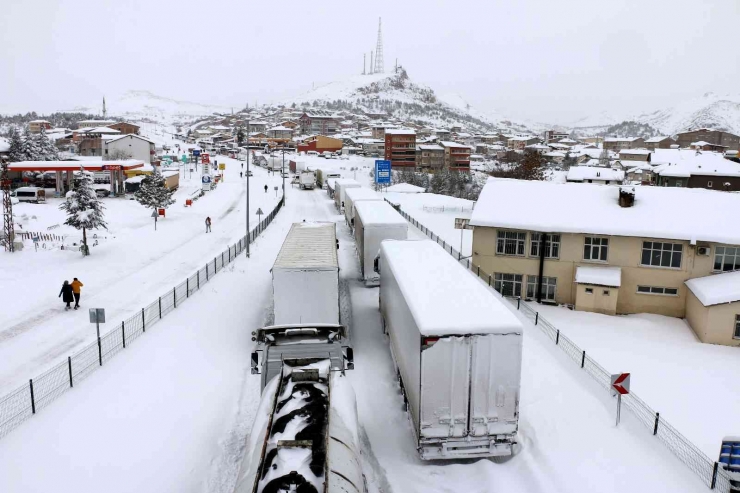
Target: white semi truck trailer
[{"x": 458, "y": 351}]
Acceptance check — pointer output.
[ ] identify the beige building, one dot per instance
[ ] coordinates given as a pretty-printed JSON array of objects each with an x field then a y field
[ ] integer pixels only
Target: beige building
[
  {"x": 613, "y": 250},
  {"x": 430, "y": 156},
  {"x": 616, "y": 144}
]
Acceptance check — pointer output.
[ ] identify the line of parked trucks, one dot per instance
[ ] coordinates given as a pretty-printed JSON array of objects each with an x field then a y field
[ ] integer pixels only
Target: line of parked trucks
[{"x": 456, "y": 348}]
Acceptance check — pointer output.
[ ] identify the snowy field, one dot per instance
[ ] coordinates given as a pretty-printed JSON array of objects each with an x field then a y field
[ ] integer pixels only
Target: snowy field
[
  {"x": 694, "y": 386},
  {"x": 171, "y": 413},
  {"x": 129, "y": 267}
]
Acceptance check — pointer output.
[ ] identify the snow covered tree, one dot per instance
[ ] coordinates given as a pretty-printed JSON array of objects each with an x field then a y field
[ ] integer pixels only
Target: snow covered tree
[
  {"x": 46, "y": 148},
  {"x": 240, "y": 135},
  {"x": 153, "y": 193},
  {"x": 83, "y": 207},
  {"x": 119, "y": 155},
  {"x": 31, "y": 149},
  {"x": 16, "y": 152}
]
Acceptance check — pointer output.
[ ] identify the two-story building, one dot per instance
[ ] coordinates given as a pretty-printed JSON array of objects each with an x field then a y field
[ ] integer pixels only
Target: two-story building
[
  {"x": 659, "y": 142},
  {"x": 35, "y": 126},
  {"x": 695, "y": 169},
  {"x": 518, "y": 143},
  {"x": 616, "y": 144},
  {"x": 613, "y": 250}
]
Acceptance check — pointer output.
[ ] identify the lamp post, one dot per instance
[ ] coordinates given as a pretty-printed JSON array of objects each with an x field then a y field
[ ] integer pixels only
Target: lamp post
[
  {"x": 282, "y": 171},
  {"x": 247, "y": 237}
]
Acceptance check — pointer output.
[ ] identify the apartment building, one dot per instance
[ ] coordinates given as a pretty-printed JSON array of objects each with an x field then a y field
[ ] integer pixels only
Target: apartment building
[
  {"x": 518, "y": 143},
  {"x": 634, "y": 155},
  {"x": 695, "y": 169},
  {"x": 430, "y": 156},
  {"x": 614, "y": 250},
  {"x": 555, "y": 135},
  {"x": 457, "y": 156},
  {"x": 709, "y": 135},
  {"x": 35, "y": 126},
  {"x": 125, "y": 128},
  {"x": 318, "y": 123},
  {"x": 400, "y": 147},
  {"x": 616, "y": 144},
  {"x": 660, "y": 142}
]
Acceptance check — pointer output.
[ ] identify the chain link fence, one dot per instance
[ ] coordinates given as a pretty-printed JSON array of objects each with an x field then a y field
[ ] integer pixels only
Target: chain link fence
[
  {"x": 709, "y": 471},
  {"x": 24, "y": 402}
]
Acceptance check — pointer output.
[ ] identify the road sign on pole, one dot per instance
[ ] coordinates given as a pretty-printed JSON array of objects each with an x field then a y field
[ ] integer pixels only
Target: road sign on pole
[
  {"x": 620, "y": 387},
  {"x": 382, "y": 172}
]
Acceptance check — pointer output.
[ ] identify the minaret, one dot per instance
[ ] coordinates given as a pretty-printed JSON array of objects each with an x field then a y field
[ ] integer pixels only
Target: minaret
[
  {"x": 379, "y": 69},
  {"x": 104, "y": 110}
]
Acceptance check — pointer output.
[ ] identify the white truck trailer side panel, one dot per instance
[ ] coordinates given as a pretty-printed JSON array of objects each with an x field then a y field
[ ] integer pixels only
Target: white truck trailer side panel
[
  {"x": 341, "y": 185},
  {"x": 374, "y": 223},
  {"x": 357, "y": 194}
]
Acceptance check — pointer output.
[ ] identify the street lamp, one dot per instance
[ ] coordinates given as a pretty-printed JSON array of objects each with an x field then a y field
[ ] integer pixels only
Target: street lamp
[
  {"x": 282, "y": 171},
  {"x": 247, "y": 237}
]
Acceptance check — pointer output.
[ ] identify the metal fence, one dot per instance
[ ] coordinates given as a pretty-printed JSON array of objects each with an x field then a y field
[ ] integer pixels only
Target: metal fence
[
  {"x": 711, "y": 474},
  {"x": 24, "y": 402}
]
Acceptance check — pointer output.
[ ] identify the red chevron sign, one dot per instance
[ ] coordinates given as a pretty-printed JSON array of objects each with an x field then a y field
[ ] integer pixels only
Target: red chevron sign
[{"x": 621, "y": 383}]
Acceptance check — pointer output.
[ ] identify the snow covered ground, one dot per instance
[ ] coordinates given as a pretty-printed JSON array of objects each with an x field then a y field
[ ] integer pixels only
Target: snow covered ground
[
  {"x": 694, "y": 386},
  {"x": 129, "y": 268},
  {"x": 172, "y": 411}
]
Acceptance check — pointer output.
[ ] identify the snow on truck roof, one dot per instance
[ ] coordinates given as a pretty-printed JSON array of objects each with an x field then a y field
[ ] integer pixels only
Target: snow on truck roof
[
  {"x": 443, "y": 298},
  {"x": 688, "y": 214},
  {"x": 717, "y": 288},
  {"x": 374, "y": 213},
  {"x": 360, "y": 193},
  {"x": 309, "y": 246}
]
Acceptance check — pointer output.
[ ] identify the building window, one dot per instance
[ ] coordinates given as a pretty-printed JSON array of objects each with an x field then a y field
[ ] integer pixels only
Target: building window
[
  {"x": 549, "y": 284},
  {"x": 595, "y": 248},
  {"x": 552, "y": 245},
  {"x": 657, "y": 290},
  {"x": 737, "y": 327},
  {"x": 508, "y": 284},
  {"x": 709, "y": 184},
  {"x": 726, "y": 259},
  {"x": 606, "y": 292},
  {"x": 589, "y": 290},
  {"x": 678, "y": 183},
  {"x": 510, "y": 243},
  {"x": 657, "y": 254}
]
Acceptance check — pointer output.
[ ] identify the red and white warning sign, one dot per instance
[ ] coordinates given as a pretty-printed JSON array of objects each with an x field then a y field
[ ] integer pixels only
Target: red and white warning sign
[{"x": 621, "y": 383}]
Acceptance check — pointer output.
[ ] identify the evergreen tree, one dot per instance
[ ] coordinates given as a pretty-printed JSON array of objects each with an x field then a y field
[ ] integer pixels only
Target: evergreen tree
[
  {"x": 240, "y": 135},
  {"x": 47, "y": 149},
  {"x": 31, "y": 150},
  {"x": 83, "y": 207},
  {"x": 153, "y": 193},
  {"x": 16, "y": 152}
]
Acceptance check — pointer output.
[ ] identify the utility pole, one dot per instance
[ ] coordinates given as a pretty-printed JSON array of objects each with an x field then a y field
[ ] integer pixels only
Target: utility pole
[
  {"x": 371, "y": 63},
  {"x": 364, "y": 63},
  {"x": 283, "y": 173},
  {"x": 7, "y": 209},
  {"x": 248, "y": 151}
]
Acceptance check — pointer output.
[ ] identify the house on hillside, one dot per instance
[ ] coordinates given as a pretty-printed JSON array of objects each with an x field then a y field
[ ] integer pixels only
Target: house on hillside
[
  {"x": 614, "y": 250},
  {"x": 616, "y": 144},
  {"x": 518, "y": 143},
  {"x": 660, "y": 142},
  {"x": 125, "y": 128},
  {"x": 594, "y": 174},
  {"x": 457, "y": 156},
  {"x": 709, "y": 135},
  {"x": 695, "y": 169},
  {"x": 706, "y": 146},
  {"x": 634, "y": 155},
  {"x": 35, "y": 126},
  {"x": 130, "y": 146}
]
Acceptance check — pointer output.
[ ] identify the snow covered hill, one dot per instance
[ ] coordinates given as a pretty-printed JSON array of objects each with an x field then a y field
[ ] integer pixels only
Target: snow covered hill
[
  {"x": 398, "y": 96},
  {"x": 139, "y": 105}
]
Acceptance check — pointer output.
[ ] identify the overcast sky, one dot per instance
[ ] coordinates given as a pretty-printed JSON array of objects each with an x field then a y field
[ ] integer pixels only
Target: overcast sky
[{"x": 543, "y": 60}]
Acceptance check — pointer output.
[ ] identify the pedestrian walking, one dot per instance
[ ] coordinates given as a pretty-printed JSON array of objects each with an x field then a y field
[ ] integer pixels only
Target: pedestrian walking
[
  {"x": 242, "y": 165},
  {"x": 76, "y": 285},
  {"x": 265, "y": 188},
  {"x": 208, "y": 224},
  {"x": 66, "y": 294},
  {"x": 241, "y": 174}
]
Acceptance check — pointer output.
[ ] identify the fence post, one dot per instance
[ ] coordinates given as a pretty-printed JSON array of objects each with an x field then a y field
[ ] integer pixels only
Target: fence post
[
  {"x": 229, "y": 254},
  {"x": 123, "y": 333},
  {"x": 197, "y": 279},
  {"x": 160, "y": 307},
  {"x": 489, "y": 279},
  {"x": 536, "y": 317},
  {"x": 174, "y": 296},
  {"x": 100, "y": 351},
  {"x": 143, "y": 321},
  {"x": 518, "y": 301},
  {"x": 557, "y": 337},
  {"x": 33, "y": 400},
  {"x": 714, "y": 474},
  {"x": 187, "y": 287},
  {"x": 215, "y": 269},
  {"x": 206, "y": 271},
  {"x": 657, "y": 420},
  {"x": 479, "y": 271},
  {"x": 583, "y": 360},
  {"x": 69, "y": 365}
]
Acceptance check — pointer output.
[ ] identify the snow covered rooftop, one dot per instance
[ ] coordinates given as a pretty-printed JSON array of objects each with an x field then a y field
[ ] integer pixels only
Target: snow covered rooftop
[
  {"x": 133, "y": 136},
  {"x": 374, "y": 213},
  {"x": 400, "y": 131},
  {"x": 447, "y": 143},
  {"x": 582, "y": 173},
  {"x": 405, "y": 188},
  {"x": 620, "y": 139},
  {"x": 655, "y": 140},
  {"x": 688, "y": 214},
  {"x": 431, "y": 147},
  {"x": 309, "y": 245},
  {"x": 687, "y": 162},
  {"x": 362, "y": 193},
  {"x": 716, "y": 289},
  {"x": 444, "y": 298},
  {"x": 599, "y": 276},
  {"x": 635, "y": 152}
]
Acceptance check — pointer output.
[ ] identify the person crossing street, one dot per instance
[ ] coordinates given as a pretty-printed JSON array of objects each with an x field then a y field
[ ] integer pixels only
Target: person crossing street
[{"x": 208, "y": 224}]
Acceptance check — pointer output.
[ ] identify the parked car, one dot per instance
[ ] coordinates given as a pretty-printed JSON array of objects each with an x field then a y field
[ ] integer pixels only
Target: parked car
[{"x": 102, "y": 193}]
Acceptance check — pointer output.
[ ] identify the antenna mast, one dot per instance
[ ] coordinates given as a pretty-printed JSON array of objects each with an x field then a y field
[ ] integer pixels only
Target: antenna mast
[{"x": 379, "y": 69}]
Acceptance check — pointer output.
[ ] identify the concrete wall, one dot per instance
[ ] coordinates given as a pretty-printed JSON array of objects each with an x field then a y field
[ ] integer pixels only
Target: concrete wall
[
  {"x": 721, "y": 325},
  {"x": 624, "y": 252},
  {"x": 601, "y": 299},
  {"x": 137, "y": 148}
]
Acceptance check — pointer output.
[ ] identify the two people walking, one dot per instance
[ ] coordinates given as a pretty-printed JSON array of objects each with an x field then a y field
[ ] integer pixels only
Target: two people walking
[{"x": 71, "y": 292}]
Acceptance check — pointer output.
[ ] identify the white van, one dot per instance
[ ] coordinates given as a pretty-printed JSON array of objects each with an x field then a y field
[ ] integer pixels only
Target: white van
[
  {"x": 31, "y": 194},
  {"x": 312, "y": 153}
]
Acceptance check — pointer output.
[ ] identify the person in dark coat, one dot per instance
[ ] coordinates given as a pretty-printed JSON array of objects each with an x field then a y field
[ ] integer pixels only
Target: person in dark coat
[{"x": 67, "y": 294}]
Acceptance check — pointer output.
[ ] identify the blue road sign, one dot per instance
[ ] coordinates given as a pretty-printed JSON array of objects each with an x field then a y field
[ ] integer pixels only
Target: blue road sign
[
  {"x": 206, "y": 179},
  {"x": 382, "y": 172},
  {"x": 196, "y": 152}
]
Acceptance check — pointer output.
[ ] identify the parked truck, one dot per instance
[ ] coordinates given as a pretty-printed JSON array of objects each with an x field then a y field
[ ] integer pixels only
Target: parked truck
[
  {"x": 354, "y": 195},
  {"x": 323, "y": 175},
  {"x": 305, "y": 276},
  {"x": 458, "y": 351},
  {"x": 340, "y": 191},
  {"x": 307, "y": 180},
  {"x": 374, "y": 223}
]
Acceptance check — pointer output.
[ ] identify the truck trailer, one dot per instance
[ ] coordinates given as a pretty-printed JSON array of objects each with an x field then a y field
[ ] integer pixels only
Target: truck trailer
[
  {"x": 340, "y": 191},
  {"x": 305, "y": 276},
  {"x": 375, "y": 222},
  {"x": 305, "y": 433},
  {"x": 354, "y": 195},
  {"x": 307, "y": 180},
  {"x": 458, "y": 351},
  {"x": 323, "y": 175}
]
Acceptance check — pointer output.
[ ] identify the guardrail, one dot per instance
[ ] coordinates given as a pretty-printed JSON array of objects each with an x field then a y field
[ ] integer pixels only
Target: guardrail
[
  {"x": 24, "y": 402},
  {"x": 711, "y": 474}
]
